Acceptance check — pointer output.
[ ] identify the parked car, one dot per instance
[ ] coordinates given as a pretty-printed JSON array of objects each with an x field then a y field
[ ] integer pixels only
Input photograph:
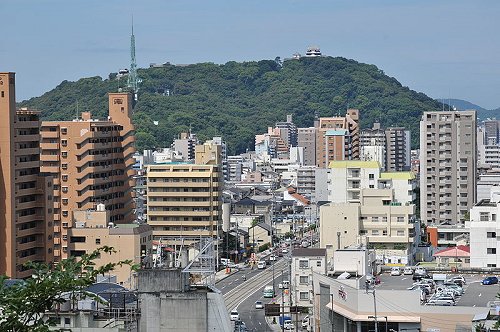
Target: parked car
[
  {"x": 408, "y": 270},
  {"x": 261, "y": 265},
  {"x": 284, "y": 285},
  {"x": 490, "y": 281},
  {"x": 458, "y": 280},
  {"x": 234, "y": 315},
  {"x": 395, "y": 271},
  {"x": 259, "y": 305},
  {"x": 417, "y": 277},
  {"x": 272, "y": 258},
  {"x": 420, "y": 270}
]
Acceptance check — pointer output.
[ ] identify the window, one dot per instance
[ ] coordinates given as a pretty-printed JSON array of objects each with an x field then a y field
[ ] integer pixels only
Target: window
[
  {"x": 484, "y": 216},
  {"x": 65, "y": 177},
  {"x": 65, "y": 213},
  {"x": 304, "y": 280},
  {"x": 303, "y": 264},
  {"x": 64, "y": 131},
  {"x": 401, "y": 233},
  {"x": 384, "y": 219},
  {"x": 401, "y": 219},
  {"x": 374, "y": 219},
  {"x": 318, "y": 263},
  {"x": 64, "y": 166},
  {"x": 67, "y": 320},
  {"x": 491, "y": 265},
  {"x": 371, "y": 176},
  {"x": 493, "y": 217},
  {"x": 64, "y": 189},
  {"x": 64, "y": 142},
  {"x": 384, "y": 232},
  {"x": 491, "y": 251},
  {"x": 64, "y": 154},
  {"x": 491, "y": 235},
  {"x": 375, "y": 232},
  {"x": 97, "y": 241},
  {"x": 304, "y": 295}
]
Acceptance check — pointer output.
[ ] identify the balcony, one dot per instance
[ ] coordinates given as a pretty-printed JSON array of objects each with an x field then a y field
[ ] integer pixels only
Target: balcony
[
  {"x": 49, "y": 157},
  {"x": 50, "y": 134},
  {"x": 27, "y": 138}
]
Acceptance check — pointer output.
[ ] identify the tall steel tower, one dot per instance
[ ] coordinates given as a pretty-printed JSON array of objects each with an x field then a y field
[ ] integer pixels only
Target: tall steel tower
[{"x": 133, "y": 80}]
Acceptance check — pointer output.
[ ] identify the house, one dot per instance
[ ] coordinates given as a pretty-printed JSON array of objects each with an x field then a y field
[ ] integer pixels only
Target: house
[{"x": 458, "y": 256}]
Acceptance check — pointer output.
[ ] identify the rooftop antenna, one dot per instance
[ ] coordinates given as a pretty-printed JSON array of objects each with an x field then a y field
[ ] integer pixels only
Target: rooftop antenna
[{"x": 133, "y": 80}]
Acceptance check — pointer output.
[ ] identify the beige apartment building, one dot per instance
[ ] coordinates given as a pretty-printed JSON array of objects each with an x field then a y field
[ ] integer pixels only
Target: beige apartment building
[
  {"x": 448, "y": 155},
  {"x": 378, "y": 219},
  {"x": 91, "y": 161},
  {"x": 25, "y": 194},
  {"x": 184, "y": 201},
  {"x": 90, "y": 230},
  {"x": 337, "y": 138}
]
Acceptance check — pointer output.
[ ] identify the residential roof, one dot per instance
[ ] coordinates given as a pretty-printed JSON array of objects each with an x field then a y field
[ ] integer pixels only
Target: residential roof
[
  {"x": 308, "y": 252},
  {"x": 397, "y": 175},
  {"x": 246, "y": 201},
  {"x": 264, "y": 226},
  {"x": 354, "y": 163},
  {"x": 459, "y": 251}
]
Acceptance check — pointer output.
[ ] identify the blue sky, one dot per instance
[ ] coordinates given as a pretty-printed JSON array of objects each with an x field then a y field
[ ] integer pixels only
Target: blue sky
[{"x": 445, "y": 49}]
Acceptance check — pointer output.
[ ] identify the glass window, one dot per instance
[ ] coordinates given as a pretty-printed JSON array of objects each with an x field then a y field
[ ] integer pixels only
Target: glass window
[
  {"x": 303, "y": 264},
  {"x": 304, "y": 295},
  {"x": 304, "y": 280}
]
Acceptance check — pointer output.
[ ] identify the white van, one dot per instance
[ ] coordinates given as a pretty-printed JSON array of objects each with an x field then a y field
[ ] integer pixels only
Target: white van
[{"x": 261, "y": 265}]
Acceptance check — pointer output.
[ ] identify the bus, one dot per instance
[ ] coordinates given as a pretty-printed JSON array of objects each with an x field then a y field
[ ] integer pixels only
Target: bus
[{"x": 268, "y": 291}]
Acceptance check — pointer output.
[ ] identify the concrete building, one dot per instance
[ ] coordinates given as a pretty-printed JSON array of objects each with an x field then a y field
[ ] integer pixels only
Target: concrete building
[
  {"x": 185, "y": 144},
  {"x": 447, "y": 166},
  {"x": 488, "y": 144},
  {"x": 184, "y": 201},
  {"x": 288, "y": 131},
  {"x": 92, "y": 162},
  {"x": 398, "y": 149},
  {"x": 306, "y": 180},
  {"x": 234, "y": 168},
  {"x": 307, "y": 140},
  {"x": 25, "y": 193},
  {"x": 344, "y": 305},
  {"x": 388, "y": 226},
  {"x": 90, "y": 230},
  {"x": 484, "y": 224},
  {"x": 485, "y": 182},
  {"x": 209, "y": 153},
  {"x": 337, "y": 138},
  {"x": 306, "y": 261}
]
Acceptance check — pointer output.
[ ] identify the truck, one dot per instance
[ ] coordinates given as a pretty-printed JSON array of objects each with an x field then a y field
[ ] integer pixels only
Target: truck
[
  {"x": 285, "y": 321},
  {"x": 269, "y": 291}
]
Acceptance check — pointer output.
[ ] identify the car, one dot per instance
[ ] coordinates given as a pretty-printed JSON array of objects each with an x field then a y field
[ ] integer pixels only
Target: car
[
  {"x": 284, "y": 251},
  {"x": 288, "y": 325},
  {"x": 458, "y": 280},
  {"x": 417, "y": 277},
  {"x": 259, "y": 305},
  {"x": 395, "y": 271},
  {"x": 285, "y": 284},
  {"x": 272, "y": 257},
  {"x": 234, "y": 315},
  {"x": 420, "y": 270},
  {"x": 305, "y": 244},
  {"x": 261, "y": 265},
  {"x": 490, "y": 281},
  {"x": 240, "y": 326},
  {"x": 408, "y": 270}
]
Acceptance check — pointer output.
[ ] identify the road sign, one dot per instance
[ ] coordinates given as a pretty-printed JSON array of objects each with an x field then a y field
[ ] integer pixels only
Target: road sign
[{"x": 272, "y": 310}]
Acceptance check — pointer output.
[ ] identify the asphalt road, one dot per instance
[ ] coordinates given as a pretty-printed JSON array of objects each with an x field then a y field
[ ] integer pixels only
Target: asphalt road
[{"x": 242, "y": 294}]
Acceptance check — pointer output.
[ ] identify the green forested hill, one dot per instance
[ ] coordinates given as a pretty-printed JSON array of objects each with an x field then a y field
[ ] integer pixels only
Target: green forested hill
[{"x": 239, "y": 100}]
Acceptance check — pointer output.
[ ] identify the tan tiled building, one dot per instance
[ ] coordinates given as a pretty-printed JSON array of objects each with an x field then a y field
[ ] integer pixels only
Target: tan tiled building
[
  {"x": 184, "y": 201},
  {"x": 25, "y": 194},
  {"x": 91, "y": 161},
  {"x": 91, "y": 230},
  {"x": 337, "y": 138}
]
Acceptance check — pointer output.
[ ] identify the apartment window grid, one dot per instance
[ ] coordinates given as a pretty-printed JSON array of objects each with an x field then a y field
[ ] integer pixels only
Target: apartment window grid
[
  {"x": 484, "y": 216},
  {"x": 304, "y": 295},
  {"x": 303, "y": 264},
  {"x": 491, "y": 251},
  {"x": 304, "y": 280}
]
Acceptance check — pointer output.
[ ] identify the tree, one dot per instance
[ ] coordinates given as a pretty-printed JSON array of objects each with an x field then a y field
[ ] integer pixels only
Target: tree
[{"x": 24, "y": 303}]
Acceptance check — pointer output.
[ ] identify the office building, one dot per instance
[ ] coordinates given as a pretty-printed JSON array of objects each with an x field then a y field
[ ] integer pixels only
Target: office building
[
  {"x": 91, "y": 162},
  {"x": 25, "y": 193},
  {"x": 398, "y": 149},
  {"x": 447, "y": 166}
]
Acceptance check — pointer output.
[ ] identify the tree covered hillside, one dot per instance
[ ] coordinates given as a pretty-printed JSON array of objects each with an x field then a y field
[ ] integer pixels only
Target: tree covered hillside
[{"x": 238, "y": 100}]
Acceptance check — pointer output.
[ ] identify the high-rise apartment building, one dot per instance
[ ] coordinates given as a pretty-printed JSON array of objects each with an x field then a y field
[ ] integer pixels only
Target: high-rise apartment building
[
  {"x": 447, "y": 166},
  {"x": 488, "y": 144},
  {"x": 307, "y": 140},
  {"x": 25, "y": 193},
  {"x": 91, "y": 161},
  {"x": 398, "y": 149},
  {"x": 288, "y": 131},
  {"x": 337, "y": 138},
  {"x": 184, "y": 202},
  {"x": 186, "y": 144}
]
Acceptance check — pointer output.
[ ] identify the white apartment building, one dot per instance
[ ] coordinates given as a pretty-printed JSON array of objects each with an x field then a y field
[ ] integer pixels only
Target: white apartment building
[
  {"x": 305, "y": 262},
  {"x": 346, "y": 179},
  {"x": 485, "y": 182},
  {"x": 387, "y": 226},
  {"x": 484, "y": 224}
]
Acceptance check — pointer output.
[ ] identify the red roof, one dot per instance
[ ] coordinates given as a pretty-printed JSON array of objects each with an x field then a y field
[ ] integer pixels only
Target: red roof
[{"x": 460, "y": 251}]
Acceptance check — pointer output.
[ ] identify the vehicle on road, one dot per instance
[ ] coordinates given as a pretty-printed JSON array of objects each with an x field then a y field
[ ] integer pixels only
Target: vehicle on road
[
  {"x": 408, "y": 270},
  {"x": 272, "y": 257},
  {"x": 261, "y": 265},
  {"x": 490, "y": 281},
  {"x": 417, "y": 277},
  {"x": 234, "y": 315},
  {"x": 269, "y": 291},
  {"x": 285, "y": 284},
  {"x": 395, "y": 271},
  {"x": 284, "y": 251},
  {"x": 259, "y": 305},
  {"x": 240, "y": 326},
  {"x": 305, "y": 244},
  {"x": 286, "y": 322},
  {"x": 459, "y": 280},
  {"x": 420, "y": 270}
]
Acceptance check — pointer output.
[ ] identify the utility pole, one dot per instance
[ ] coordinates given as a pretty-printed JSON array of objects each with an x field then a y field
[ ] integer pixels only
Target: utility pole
[{"x": 371, "y": 289}]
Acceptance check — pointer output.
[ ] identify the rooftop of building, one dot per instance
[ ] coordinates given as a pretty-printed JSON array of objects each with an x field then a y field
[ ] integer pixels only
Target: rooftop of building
[
  {"x": 354, "y": 164},
  {"x": 486, "y": 202},
  {"x": 397, "y": 175},
  {"x": 340, "y": 132},
  {"x": 308, "y": 252}
]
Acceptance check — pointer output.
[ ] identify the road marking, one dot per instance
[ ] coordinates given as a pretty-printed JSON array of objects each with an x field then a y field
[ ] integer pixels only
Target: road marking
[{"x": 479, "y": 294}]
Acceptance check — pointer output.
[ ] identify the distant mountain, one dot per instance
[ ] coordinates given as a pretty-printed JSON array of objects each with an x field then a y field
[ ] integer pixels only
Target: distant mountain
[
  {"x": 482, "y": 113},
  {"x": 461, "y": 104},
  {"x": 239, "y": 100}
]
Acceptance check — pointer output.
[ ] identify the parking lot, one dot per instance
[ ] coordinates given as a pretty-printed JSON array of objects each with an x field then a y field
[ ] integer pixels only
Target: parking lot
[{"x": 476, "y": 294}]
